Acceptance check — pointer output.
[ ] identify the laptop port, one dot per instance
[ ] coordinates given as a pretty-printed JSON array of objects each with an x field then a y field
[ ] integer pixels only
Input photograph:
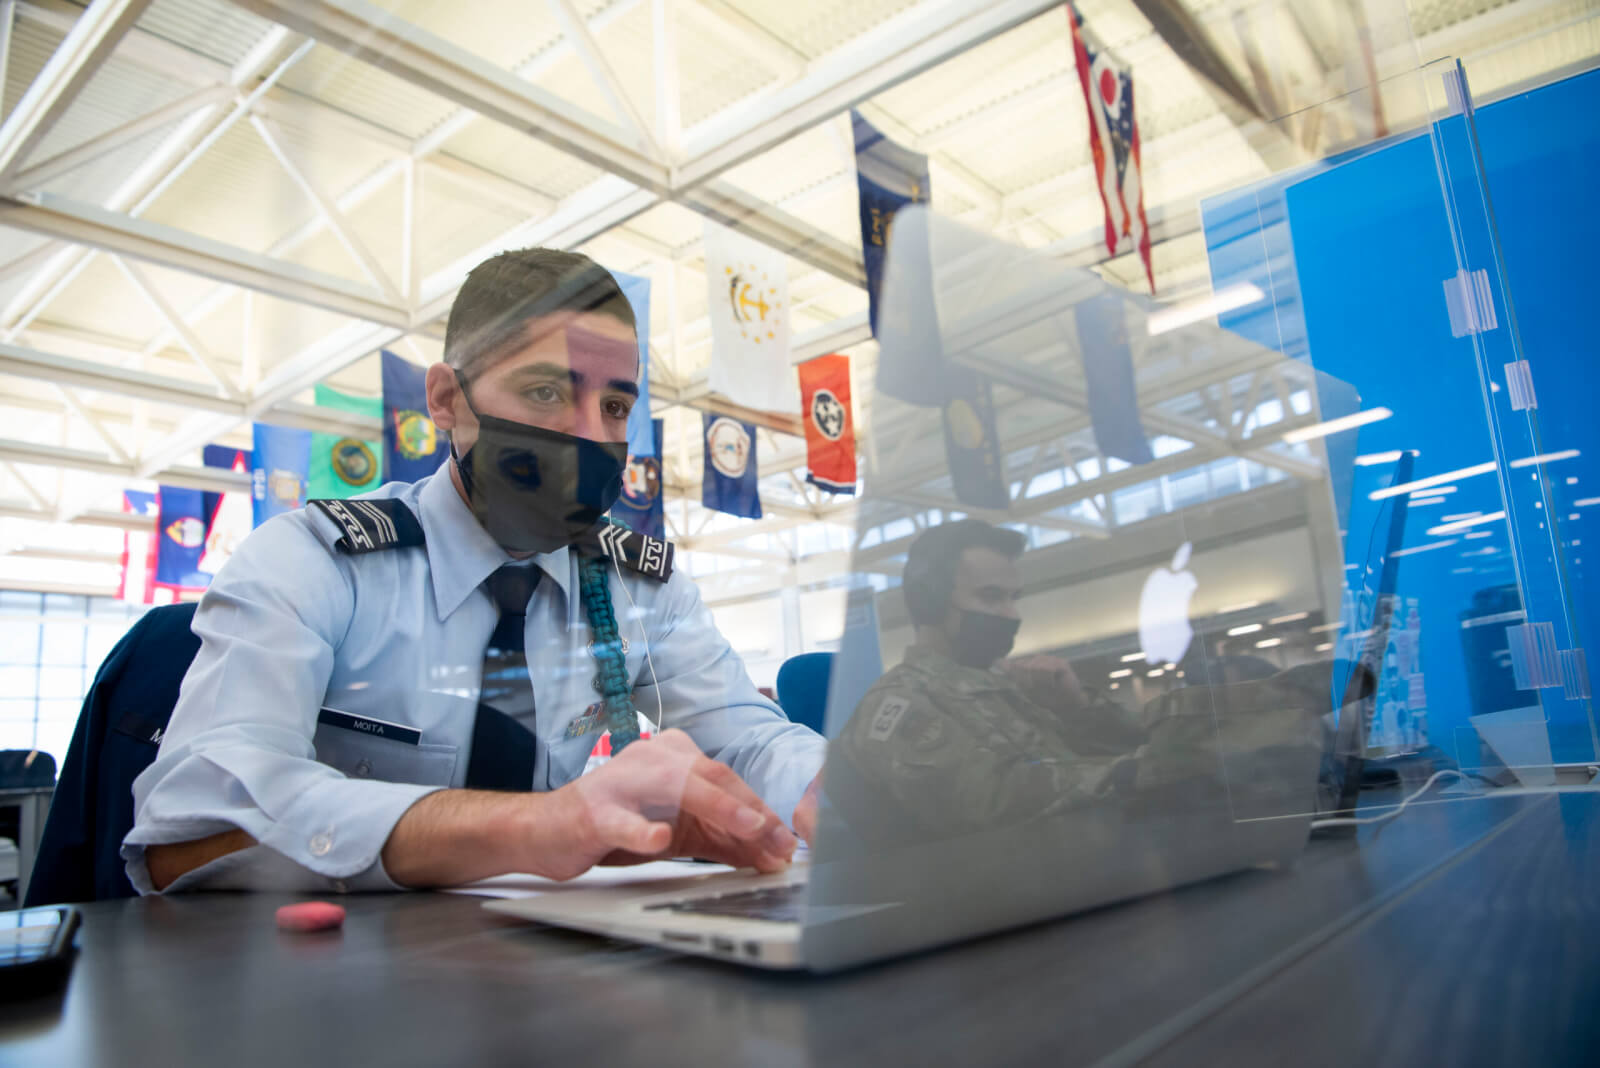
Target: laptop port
[
  {"x": 752, "y": 949},
  {"x": 676, "y": 936},
  {"x": 723, "y": 945}
]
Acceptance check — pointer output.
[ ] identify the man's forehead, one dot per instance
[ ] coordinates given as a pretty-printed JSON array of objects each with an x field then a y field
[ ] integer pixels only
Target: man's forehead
[
  {"x": 578, "y": 341},
  {"x": 981, "y": 566}
]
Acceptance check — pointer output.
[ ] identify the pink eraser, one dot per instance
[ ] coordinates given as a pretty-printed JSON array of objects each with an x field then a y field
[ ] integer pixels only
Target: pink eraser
[{"x": 310, "y": 916}]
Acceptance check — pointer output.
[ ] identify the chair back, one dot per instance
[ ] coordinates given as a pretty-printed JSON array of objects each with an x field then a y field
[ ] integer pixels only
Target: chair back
[{"x": 803, "y": 688}]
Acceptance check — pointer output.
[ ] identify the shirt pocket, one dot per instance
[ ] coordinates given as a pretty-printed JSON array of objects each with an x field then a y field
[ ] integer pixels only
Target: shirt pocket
[{"x": 362, "y": 756}]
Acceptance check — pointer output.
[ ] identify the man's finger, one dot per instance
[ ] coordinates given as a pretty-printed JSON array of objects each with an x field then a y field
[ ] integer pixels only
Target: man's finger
[
  {"x": 724, "y": 810},
  {"x": 619, "y": 828},
  {"x": 726, "y": 779}
]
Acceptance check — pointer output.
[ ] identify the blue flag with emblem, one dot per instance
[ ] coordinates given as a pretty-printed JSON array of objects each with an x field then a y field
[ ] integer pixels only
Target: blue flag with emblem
[
  {"x": 971, "y": 442},
  {"x": 641, "y": 442},
  {"x": 888, "y": 177},
  {"x": 641, "y": 506},
  {"x": 181, "y": 538},
  {"x": 279, "y": 468},
  {"x": 729, "y": 481},
  {"x": 1108, "y": 377},
  {"x": 412, "y": 445}
]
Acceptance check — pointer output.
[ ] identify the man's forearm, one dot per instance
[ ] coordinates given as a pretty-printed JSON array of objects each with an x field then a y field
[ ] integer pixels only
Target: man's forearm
[
  {"x": 458, "y": 836},
  {"x": 448, "y": 837}
]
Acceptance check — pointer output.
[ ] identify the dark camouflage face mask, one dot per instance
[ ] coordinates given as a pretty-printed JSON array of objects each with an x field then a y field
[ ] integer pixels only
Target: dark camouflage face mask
[{"x": 981, "y": 638}]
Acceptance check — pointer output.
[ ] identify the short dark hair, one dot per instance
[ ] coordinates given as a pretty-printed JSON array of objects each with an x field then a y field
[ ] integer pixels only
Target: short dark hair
[
  {"x": 503, "y": 293},
  {"x": 930, "y": 573}
]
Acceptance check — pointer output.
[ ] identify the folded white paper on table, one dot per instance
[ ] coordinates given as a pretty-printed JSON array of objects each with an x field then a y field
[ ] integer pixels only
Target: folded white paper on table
[{"x": 518, "y": 886}]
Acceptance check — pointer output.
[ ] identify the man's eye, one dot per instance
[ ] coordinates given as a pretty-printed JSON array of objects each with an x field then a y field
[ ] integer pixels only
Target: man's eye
[
  {"x": 544, "y": 394},
  {"x": 618, "y": 409}
]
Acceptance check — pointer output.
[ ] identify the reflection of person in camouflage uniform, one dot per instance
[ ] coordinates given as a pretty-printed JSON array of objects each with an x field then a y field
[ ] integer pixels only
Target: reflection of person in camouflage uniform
[{"x": 955, "y": 741}]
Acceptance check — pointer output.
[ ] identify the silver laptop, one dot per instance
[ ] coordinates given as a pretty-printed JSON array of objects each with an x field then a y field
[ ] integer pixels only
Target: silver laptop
[{"x": 1191, "y": 584}]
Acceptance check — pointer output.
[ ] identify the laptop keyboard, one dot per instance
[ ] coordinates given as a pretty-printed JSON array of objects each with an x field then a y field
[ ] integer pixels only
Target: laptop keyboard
[{"x": 780, "y": 904}]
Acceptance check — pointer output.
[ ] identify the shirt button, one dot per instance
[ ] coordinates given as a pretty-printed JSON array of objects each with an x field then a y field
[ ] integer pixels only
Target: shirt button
[
  {"x": 364, "y": 768},
  {"x": 321, "y": 843},
  {"x": 340, "y": 887}
]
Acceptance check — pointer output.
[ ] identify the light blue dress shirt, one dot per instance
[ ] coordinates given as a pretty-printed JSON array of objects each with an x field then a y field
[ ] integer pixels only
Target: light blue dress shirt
[{"x": 290, "y": 626}]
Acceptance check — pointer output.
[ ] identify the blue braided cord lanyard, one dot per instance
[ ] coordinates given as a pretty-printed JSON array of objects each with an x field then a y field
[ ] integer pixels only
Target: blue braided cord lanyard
[{"x": 608, "y": 650}]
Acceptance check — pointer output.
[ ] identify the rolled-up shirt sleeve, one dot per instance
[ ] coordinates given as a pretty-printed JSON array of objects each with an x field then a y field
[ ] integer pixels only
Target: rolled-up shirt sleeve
[
  {"x": 238, "y": 750},
  {"x": 706, "y": 691}
]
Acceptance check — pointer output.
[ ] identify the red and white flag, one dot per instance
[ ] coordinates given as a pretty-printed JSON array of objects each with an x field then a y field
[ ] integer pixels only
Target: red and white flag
[
  {"x": 830, "y": 428},
  {"x": 1113, "y": 142}
]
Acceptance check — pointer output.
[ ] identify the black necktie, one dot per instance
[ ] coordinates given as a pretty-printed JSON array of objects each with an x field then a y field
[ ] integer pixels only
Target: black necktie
[
  {"x": 506, "y": 686},
  {"x": 504, "y": 750}
]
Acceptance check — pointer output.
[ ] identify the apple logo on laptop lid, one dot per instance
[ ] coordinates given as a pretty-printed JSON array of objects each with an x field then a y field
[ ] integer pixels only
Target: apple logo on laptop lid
[{"x": 1164, "y": 631}]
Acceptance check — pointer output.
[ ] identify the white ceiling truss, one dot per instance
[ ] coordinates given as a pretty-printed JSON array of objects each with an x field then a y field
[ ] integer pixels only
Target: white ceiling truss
[{"x": 375, "y": 153}]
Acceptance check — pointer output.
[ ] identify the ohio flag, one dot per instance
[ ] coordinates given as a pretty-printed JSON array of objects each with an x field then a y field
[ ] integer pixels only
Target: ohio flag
[{"x": 1113, "y": 142}]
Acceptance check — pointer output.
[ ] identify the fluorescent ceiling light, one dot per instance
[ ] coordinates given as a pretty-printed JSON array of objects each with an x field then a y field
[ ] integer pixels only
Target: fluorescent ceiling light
[
  {"x": 1437, "y": 491},
  {"x": 1460, "y": 515},
  {"x": 1423, "y": 502},
  {"x": 1131, "y": 657},
  {"x": 1451, "y": 528},
  {"x": 1248, "y": 628},
  {"x": 1445, "y": 544},
  {"x": 1156, "y": 674},
  {"x": 1323, "y": 628},
  {"x": 1324, "y": 647},
  {"x": 1242, "y": 607},
  {"x": 1481, "y": 534},
  {"x": 1227, "y": 299},
  {"x": 1586, "y": 502},
  {"x": 1122, "y": 674},
  {"x": 1334, "y": 426},
  {"x": 1432, "y": 480},
  {"x": 1293, "y": 617},
  {"x": 1375, "y": 458},
  {"x": 1269, "y": 643},
  {"x": 1545, "y": 458}
]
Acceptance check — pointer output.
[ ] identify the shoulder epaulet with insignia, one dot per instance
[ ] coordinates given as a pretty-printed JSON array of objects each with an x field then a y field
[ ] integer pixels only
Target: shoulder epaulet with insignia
[
  {"x": 635, "y": 551},
  {"x": 372, "y": 524}
]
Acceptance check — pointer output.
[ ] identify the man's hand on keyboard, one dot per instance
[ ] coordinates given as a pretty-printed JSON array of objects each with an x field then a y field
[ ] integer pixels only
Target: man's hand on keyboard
[{"x": 662, "y": 797}]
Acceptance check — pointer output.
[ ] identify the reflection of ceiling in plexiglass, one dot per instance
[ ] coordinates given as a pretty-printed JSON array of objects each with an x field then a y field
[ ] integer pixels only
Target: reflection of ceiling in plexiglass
[{"x": 219, "y": 147}]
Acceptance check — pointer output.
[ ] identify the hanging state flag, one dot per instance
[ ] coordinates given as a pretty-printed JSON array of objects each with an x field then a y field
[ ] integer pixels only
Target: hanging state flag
[
  {"x": 747, "y": 298},
  {"x": 971, "y": 443},
  {"x": 729, "y": 481},
  {"x": 138, "y": 550},
  {"x": 641, "y": 506},
  {"x": 181, "y": 523},
  {"x": 641, "y": 440},
  {"x": 830, "y": 429},
  {"x": 1108, "y": 375},
  {"x": 228, "y": 514},
  {"x": 1113, "y": 142},
  {"x": 344, "y": 466},
  {"x": 888, "y": 177},
  {"x": 412, "y": 445},
  {"x": 279, "y": 468}
]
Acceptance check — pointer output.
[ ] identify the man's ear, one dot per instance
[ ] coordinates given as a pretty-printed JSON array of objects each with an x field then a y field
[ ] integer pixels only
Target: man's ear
[{"x": 442, "y": 389}]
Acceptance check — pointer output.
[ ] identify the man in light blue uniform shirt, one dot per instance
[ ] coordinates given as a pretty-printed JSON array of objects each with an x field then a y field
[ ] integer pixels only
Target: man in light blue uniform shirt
[{"x": 322, "y": 737}]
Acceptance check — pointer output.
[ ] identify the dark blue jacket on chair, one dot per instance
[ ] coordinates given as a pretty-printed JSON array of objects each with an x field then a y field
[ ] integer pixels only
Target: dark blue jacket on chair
[{"x": 119, "y": 731}]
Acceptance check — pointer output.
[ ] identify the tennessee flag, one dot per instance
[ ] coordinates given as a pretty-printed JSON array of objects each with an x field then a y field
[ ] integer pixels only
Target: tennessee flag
[
  {"x": 1113, "y": 142},
  {"x": 830, "y": 429}
]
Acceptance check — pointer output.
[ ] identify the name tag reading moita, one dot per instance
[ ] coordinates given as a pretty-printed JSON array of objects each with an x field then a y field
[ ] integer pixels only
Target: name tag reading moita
[{"x": 378, "y": 728}]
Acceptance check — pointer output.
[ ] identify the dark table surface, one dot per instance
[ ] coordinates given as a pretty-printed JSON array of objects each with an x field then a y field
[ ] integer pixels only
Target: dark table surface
[{"x": 1467, "y": 932}]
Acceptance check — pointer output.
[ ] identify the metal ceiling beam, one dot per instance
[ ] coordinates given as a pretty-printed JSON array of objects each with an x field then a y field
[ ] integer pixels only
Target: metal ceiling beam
[
  {"x": 213, "y": 479},
  {"x": 108, "y": 142},
  {"x": 117, "y": 520},
  {"x": 66, "y": 371},
  {"x": 91, "y": 40},
  {"x": 366, "y": 32},
  {"x": 890, "y": 53},
  {"x": 167, "y": 246}
]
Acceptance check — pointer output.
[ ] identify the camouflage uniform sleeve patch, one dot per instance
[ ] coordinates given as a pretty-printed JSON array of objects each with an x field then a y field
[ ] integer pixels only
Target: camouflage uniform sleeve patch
[{"x": 890, "y": 711}]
